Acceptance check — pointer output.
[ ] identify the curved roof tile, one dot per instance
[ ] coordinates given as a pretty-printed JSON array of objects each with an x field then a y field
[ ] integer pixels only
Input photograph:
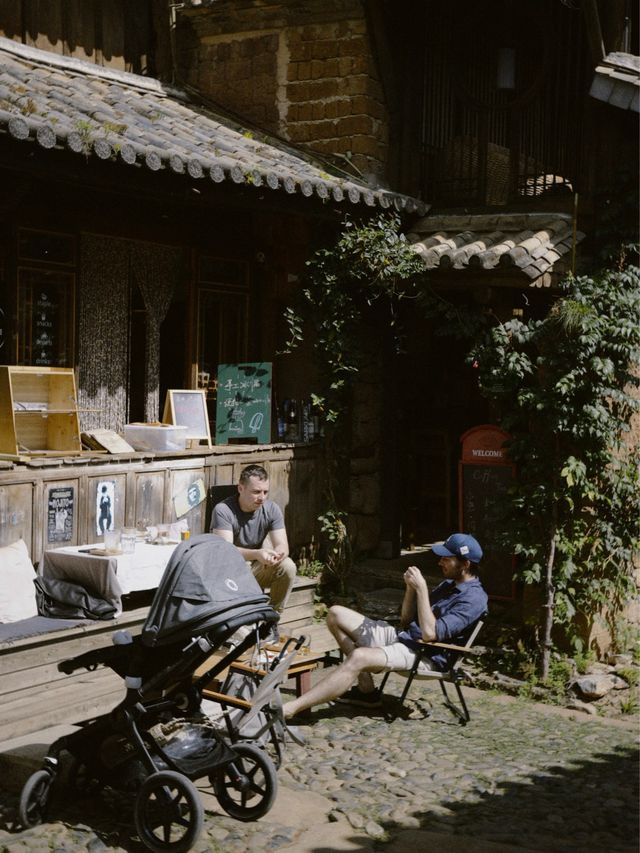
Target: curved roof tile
[
  {"x": 530, "y": 243},
  {"x": 63, "y": 102}
]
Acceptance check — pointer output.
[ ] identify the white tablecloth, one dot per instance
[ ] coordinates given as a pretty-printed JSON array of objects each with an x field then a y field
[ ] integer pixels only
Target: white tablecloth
[{"x": 110, "y": 577}]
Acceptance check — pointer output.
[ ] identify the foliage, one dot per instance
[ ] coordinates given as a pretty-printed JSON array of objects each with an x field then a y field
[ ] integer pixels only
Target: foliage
[
  {"x": 630, "y": 706},
  {"x": 630, "y": 674},
  {"x": 309, "y": 563},
  {"x": 564, "y": 389},
  {"x": 366, "y": 274},
  {"x": 338, "y": 545},
  {"x": 371, "y": 265}
]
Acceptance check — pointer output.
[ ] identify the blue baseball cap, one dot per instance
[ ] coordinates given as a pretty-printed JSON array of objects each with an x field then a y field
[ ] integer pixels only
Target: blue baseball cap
[{"x": 459, "y": 545}]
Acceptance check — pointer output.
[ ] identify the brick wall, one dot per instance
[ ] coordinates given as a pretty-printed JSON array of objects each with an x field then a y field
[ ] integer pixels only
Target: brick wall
[{"x": 302, "y": 71}]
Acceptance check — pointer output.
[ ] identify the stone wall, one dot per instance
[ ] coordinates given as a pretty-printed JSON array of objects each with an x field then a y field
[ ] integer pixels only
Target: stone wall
[{"x": 304, "y": 71}]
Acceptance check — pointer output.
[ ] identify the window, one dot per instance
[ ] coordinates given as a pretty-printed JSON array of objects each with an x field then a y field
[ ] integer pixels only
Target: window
[
  {"x": 45, "y": 299},
  {"x": 222, "y": 312}
]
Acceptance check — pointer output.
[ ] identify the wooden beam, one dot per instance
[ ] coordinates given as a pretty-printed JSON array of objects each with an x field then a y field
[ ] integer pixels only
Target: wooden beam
[{"x": 594, "y": 30}]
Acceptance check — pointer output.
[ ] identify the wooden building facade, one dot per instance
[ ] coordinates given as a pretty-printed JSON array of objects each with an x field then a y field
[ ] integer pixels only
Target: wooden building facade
[{"x": 169, "y": 211}]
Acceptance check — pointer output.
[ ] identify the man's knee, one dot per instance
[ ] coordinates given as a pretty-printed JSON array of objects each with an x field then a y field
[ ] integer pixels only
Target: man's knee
[
  {"x": 287, "y": 568},
  {"x": 363, "y": 658},
  {"x": 344, "y": 618}
]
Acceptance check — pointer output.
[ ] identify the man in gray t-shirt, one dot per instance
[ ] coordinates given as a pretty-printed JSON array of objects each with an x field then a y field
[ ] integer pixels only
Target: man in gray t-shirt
[{"x": 248, "y": 519}]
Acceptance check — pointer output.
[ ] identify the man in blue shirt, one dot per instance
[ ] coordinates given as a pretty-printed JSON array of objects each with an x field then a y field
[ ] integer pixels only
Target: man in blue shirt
[{"x": 369, "y": 645}]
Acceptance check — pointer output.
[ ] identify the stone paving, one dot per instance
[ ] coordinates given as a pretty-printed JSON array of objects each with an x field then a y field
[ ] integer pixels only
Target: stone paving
[{"x": 519, "y": 776}]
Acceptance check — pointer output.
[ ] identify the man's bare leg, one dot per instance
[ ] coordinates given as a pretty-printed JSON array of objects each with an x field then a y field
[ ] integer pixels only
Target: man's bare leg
[
  {"x": 361, "y": 660},
  {"x": 343, "y": 624}
]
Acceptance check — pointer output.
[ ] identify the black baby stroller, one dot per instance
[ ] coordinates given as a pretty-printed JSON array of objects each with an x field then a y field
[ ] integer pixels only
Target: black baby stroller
[{"x": 156, "y": 743}]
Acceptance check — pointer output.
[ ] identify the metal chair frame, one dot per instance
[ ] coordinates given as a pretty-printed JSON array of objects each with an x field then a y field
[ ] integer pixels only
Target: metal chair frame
[{"x": 454, "y": 675}]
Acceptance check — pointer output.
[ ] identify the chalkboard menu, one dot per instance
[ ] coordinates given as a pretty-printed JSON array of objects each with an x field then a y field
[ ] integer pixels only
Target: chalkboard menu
[
  {"x": 484, "y": 478},
  {"x": 243, "y": 406}
]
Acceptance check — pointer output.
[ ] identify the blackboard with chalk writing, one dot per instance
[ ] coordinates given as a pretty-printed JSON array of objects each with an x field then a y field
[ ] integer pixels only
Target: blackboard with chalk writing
[
  {"x": 485, "y": 475},
  {"x": 243, "y": 404}
]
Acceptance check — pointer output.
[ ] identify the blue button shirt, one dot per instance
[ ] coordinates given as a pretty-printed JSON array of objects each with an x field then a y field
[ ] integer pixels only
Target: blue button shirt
[{"x": 456, "y": 608}]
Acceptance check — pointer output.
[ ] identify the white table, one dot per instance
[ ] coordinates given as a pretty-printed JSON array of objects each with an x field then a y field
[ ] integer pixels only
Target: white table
[{"x": 109, "y": 576}]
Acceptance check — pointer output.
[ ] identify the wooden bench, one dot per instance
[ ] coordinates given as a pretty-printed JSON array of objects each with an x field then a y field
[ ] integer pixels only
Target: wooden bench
[{"x": 35, "y": 695}]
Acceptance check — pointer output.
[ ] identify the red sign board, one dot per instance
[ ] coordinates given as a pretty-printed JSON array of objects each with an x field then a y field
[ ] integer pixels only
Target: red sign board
[{"x": 484, "y": 474}]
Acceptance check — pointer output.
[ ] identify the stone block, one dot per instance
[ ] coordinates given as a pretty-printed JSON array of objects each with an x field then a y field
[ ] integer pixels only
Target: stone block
[
  {"x": 355, "y": 125},
  {"x": 299, "y": 51},
  {"x": 353, "y": 46},
  {"x": 367, "y": 145},
  {"x": 304, "y": 71},
  {"x": 323, "y": 49},
  {"x": 321, "y": 89},
  {"x": 331, "y": 109}
]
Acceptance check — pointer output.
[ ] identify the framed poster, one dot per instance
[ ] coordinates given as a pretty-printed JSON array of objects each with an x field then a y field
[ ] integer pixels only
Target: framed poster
[
  {"x": 60, "y": 509},
  {"x": 105, "y": 505},
  {"x": 243, "y": 406},
  {"x": 188, "y": 408}
]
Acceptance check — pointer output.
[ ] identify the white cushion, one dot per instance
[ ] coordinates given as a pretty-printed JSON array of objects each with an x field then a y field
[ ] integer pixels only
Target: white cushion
[{"x": 17, "y": 590}]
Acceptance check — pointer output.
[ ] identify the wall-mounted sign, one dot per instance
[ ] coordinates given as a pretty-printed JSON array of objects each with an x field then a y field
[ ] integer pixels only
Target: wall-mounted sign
[
  {"x": 60, "y": 509},
  {"x": 105, "y": 506},
  {"x": 485, "y": 474}
]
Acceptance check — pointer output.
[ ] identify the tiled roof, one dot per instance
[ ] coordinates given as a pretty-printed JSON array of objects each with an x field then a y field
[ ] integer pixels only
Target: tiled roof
[
  {"x": 61, "y": 102},
  {"x": 617, "y": 81},
  {"x": 532, "y": 244}
]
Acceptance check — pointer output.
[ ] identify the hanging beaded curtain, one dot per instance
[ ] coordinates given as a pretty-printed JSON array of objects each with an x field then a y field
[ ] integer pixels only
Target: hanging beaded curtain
[
  {"x": 155, "y": 270},
  {"x": 103, "y": 315}
]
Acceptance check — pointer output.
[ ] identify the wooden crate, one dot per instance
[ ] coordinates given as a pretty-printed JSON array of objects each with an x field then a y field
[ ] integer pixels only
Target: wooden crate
[{"x": 38, "y": 411}]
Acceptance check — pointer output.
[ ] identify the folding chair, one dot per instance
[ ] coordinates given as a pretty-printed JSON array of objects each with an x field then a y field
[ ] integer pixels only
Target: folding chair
[{"x": 454, "y": 675}]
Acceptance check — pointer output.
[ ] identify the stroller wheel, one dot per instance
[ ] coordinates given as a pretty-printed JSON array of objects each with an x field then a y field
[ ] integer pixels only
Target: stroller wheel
[
  {"x": 246, "y": 788},
  {"x": 35, "y": 798},
  {"x": 168, "y": 812}
]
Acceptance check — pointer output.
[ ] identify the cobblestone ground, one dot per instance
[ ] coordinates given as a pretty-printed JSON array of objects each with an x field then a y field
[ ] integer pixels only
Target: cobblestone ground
[{"x": 519, "y": 774}]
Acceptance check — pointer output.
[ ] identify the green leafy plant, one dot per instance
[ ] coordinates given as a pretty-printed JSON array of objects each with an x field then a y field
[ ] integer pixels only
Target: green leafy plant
[
  {"x": 566, "y": 390},
  {"x": 309, "y": 563},
  {"x": 630, "y": 706},
  {"x": 349, "y": 286},
  {"x": 631, "y": 675}
]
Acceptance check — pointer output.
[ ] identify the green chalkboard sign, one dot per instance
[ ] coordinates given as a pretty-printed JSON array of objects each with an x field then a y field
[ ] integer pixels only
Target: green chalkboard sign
[{"x": 243, "y": 406}]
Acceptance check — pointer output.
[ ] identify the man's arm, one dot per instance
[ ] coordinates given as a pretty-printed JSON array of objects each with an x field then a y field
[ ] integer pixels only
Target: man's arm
[
  {"x": 408, "y": 609},
  {"x": 280, "y": 542},
  {"x": 263, "y": 555},
  {"x": 426, "y": 620}
]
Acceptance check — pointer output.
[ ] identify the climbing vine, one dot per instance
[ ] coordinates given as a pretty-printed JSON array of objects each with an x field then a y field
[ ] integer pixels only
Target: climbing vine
[
  {"x": 368, "y": 272},
  {"x": 566, "y": 390}
]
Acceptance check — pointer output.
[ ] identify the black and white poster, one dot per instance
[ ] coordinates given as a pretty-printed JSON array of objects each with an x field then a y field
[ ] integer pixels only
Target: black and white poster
[
  {"x": 60, "y": 507},
  {"x": 105, "y": 504}
]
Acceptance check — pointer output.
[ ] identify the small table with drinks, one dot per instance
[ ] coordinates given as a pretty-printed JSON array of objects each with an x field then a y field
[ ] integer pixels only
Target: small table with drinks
[{"x": 109, "y": 575}]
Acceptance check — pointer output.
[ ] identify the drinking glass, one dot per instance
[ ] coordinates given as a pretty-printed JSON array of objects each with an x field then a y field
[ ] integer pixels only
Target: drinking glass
[
  {"x": 128, "y": 540},
  {"x": 112, "y": 539}
]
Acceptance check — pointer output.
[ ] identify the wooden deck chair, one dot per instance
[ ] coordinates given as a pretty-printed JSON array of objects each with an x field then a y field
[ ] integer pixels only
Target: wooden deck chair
[{"x": 454, "y": 675}]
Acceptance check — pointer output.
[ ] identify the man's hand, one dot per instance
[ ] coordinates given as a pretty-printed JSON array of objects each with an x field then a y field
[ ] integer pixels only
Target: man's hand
[
  {"x": 270, "y": 557},
  {"x": 413, "y": 578}
]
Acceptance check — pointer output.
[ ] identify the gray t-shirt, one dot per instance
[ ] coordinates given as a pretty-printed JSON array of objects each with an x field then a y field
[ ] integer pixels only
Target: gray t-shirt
[{"x": 249, "y": 528}]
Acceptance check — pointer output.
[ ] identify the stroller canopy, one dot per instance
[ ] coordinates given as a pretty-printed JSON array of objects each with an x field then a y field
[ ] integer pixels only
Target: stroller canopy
[{"x": 206, "y": 585}]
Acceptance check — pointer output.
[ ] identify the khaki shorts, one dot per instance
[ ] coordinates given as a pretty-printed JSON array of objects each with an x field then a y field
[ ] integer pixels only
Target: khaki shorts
[{"x": 376, "y": 633}]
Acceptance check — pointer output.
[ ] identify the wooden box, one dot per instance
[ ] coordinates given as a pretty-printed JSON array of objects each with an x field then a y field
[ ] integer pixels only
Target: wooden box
[{"x": 38, "y": 411}]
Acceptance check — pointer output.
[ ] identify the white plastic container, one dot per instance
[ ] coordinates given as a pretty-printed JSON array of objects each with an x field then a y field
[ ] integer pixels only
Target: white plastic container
[{"x": 156, "y": 436}]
